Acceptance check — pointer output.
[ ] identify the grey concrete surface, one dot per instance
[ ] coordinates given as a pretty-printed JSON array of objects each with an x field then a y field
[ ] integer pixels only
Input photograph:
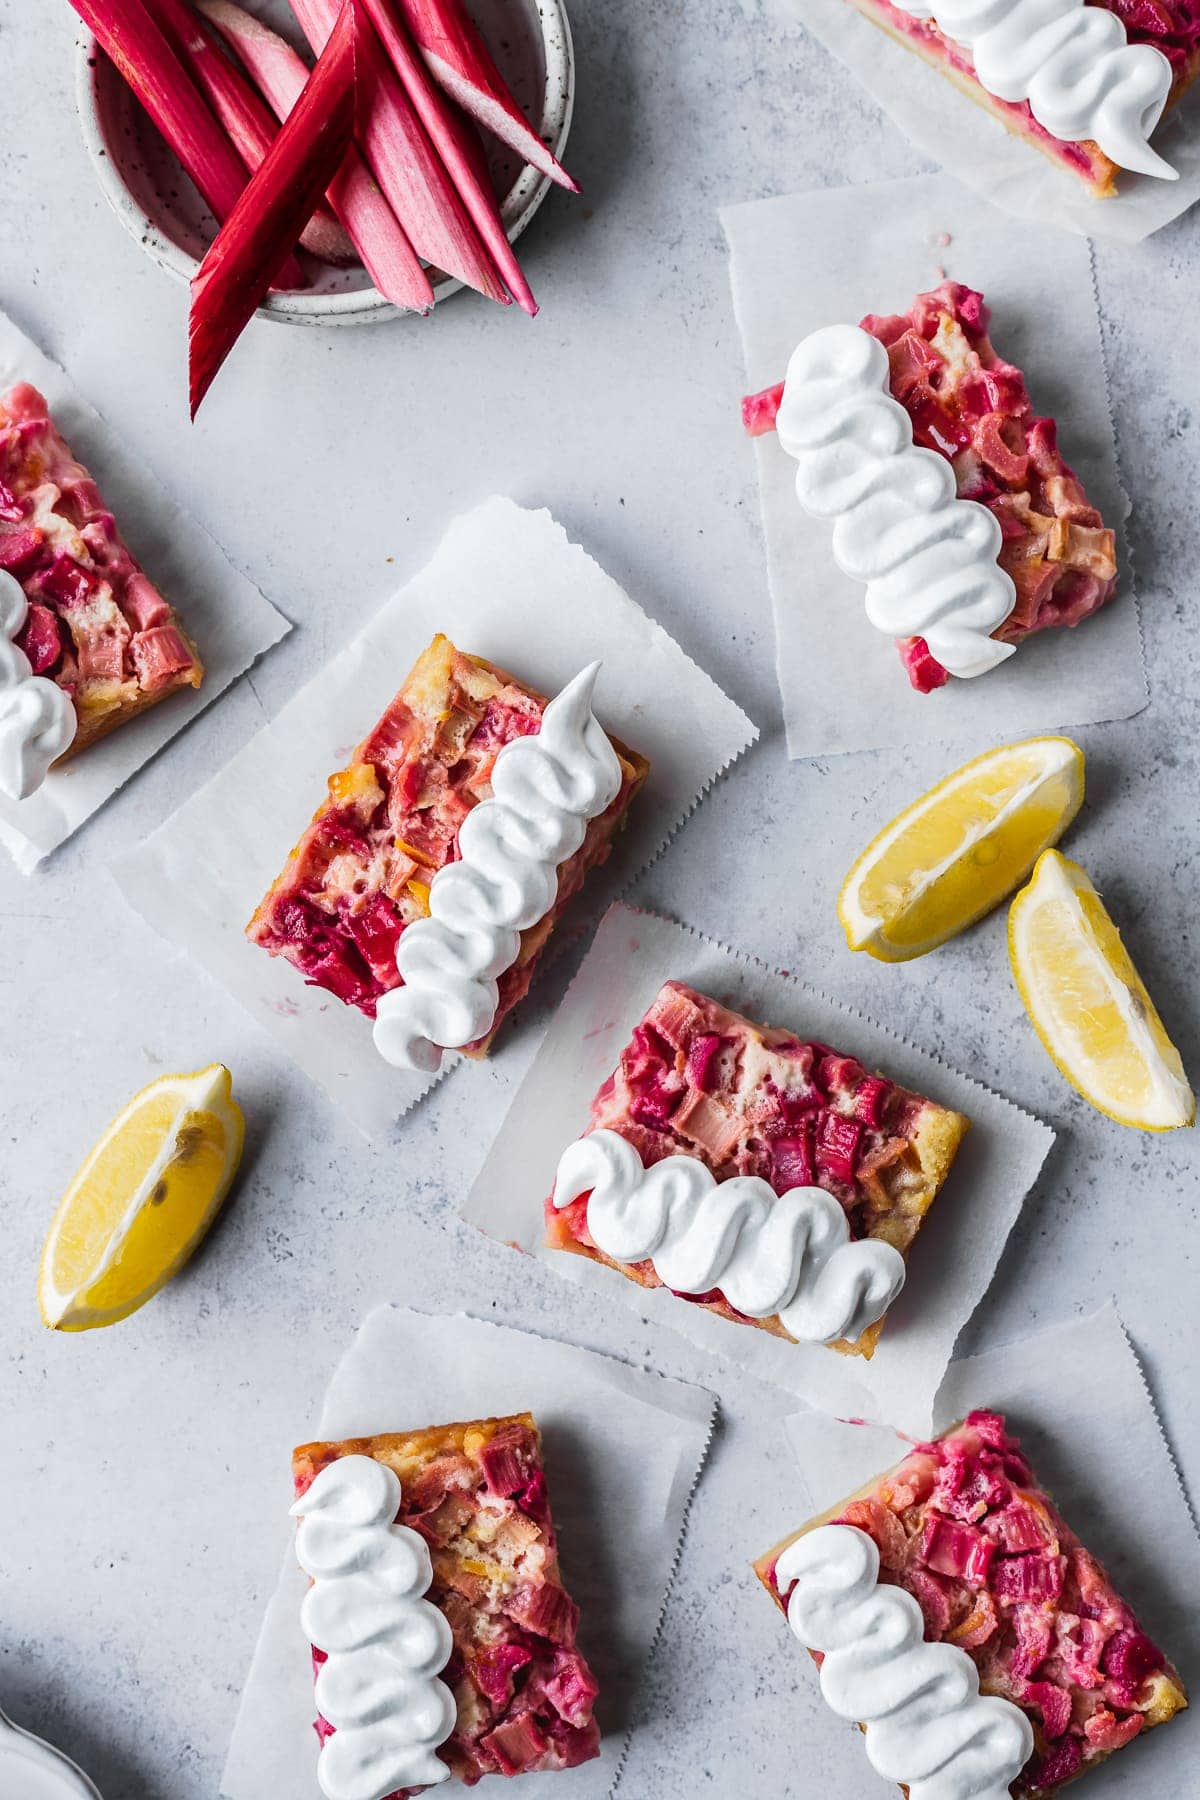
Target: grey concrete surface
[{"x": 143, "y": 1477}]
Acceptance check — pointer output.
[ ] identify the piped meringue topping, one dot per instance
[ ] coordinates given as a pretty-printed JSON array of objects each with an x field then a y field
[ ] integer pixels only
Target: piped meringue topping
[
  {"x": 384, "y": 1643},
  {"x": 927, "y": 1725},
  {"x": 928, "y": 558},
  {"x": 546, "y": 790},
  {"x": 786, "y": 1255},
  {"x": 37, "y": 719}
]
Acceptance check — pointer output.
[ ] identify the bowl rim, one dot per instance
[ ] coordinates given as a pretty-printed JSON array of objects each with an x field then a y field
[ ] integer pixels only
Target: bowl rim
[{"x": 356, "y": 305}]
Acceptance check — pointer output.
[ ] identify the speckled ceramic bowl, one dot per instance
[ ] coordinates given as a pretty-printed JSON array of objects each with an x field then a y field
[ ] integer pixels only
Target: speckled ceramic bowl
[
  {"x": 157, "y": 204},
  {"x": 36, "y": 1771}
]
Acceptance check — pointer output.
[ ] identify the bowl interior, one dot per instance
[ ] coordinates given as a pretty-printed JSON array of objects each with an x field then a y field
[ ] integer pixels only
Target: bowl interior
[{"x": 159, "y": 204}]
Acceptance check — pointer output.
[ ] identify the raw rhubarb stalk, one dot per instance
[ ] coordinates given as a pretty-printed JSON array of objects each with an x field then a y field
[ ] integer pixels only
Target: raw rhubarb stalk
[
  {"x": 452, "y": 137},
  {"x": 760, "y": 411},
  {"x": 462, "y": 64},
  {"x": 281, "y": 194},
  {"x": 406, "y": 165},
  {"x": 135, "y": 43},
  {"x": 251, "y": 125},
  {"x": 354, "y": 194}
]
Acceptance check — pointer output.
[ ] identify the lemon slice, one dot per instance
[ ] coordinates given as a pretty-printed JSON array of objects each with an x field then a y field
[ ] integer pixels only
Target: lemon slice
[
  {"x": 1088, "y": 1003},
  {"x": 960, "y": 849},
  {"x": 142, "y": 1201}
]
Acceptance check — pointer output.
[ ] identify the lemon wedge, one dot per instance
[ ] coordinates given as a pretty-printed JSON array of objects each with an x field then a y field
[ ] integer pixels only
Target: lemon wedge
[
  {"x": 960, "y": 849},
  {"x": 1088, "y": 1003},
  {"x": 142, "y": 1201}
]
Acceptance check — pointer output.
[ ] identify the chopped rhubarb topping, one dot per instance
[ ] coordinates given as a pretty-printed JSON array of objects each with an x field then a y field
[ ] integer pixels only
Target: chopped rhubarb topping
[
  {"x": 1106, "y": 1733},
  {"x": 954, "y": 1549},
  {"x": 518, "y": 1744},
  {"x": 760, "y": 411},
  {"x": 1028, "y": 1577},
  {"x": 506, "y": 1463},
  {"x": 548, "y": 1610},
  {"x": 793, "y": 1164},
  {"x": 837, "y": 1146},
  {"x": 11, "y": 508},
  {"x": 1128, "y": 1658},
  {"x": 702, "y": 1055},
  {"x": 493, "y": 1669},
  {"x": 924, "y": 670},
  {"x": 40, "y": 638},
  {"x": 20, "y": 550},
  {"x": 159, "y": 655},
  {"x": 1054, "y": 1704},
  {"x": 1034, "y": 1628},
  {"x": 1061, "y": 1763}
]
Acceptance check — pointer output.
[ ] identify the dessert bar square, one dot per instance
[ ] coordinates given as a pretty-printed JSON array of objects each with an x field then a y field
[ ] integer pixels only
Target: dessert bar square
[
  {"x": 362, "y": 870},
  {"x": 973, "y": 408},
  {"x": 522, "y": 1691},
  {"x": 968, "y": 405},
  {"x": 963, "y": 1526},
  {"x": 96, "y": 624},
  {"x": 1169, "y": 26},
  {"x": 699, "y": 1081}
]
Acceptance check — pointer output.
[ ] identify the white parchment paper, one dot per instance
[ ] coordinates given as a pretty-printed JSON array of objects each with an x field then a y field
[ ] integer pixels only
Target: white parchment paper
[
  {"x": 228, "y": 619},
  {"x": 506, "y": 584},
  {"x": 956, "y": 1250},
  {"x": 956, "y": 132},
  {"x": 806, "y": 260},
  {"x": 1077, "y": 1398},
  {"x": 623, "y": 1447}
]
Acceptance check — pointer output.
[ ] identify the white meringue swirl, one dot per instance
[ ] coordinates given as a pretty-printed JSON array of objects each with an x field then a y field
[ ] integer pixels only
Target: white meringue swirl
[
  {"x": 927, "y": 557},
  {"x": 928, "y": 1726},
  {"x": 37, "y": 720},
  {"x": 546, "y": 790},
  {"x": 1074, "y": 64},
  {"x": 384, "y": 1643},
  {"x": 788, "y": 1255}
]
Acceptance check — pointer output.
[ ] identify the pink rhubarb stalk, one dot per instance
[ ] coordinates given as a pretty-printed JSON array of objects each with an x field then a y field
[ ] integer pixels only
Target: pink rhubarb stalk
[
  {"x": 251, "y": 125},
  {"x": 461, "y": 63},
  {"x": 456, "y": 144},
  {"x": 354, "y": 194},
  {"x": 405, "y": 162},
  {"x": 135, "y": 43},
  {"x": 281, "y": 194}
]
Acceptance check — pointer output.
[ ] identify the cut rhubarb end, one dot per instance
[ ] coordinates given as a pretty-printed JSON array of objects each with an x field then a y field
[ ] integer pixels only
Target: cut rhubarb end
[
  {"x": 760, "y": 411},
  {"x": 406, "y": 164},
  {"x": 354, "y": 194},
  {"x": 238, "y": 267},
  {"x": 247, "y": 119},
  {"x": 924, "y": 670},
  {"x": 143, "y": 55},
  {"x": 461, "y": 63},
  {"x": 454, "y": 141}
]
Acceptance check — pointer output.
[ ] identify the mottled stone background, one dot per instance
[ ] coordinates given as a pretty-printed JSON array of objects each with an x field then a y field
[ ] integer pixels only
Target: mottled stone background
[{"x": 143, "y": 1482}]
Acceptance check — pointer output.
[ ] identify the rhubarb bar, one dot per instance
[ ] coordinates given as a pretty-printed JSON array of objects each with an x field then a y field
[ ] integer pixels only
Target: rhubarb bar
[
  {"x": 962, "y": 1526},
  {"x": 96, "y": 624},
  {"x": 1171, "y": 27},
  {"x": 971, "y": 407},
  {"x": 699, "y": 1082},
  {"x": 521, "y": 1692},
  {"x": 361, "y": 873}
]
